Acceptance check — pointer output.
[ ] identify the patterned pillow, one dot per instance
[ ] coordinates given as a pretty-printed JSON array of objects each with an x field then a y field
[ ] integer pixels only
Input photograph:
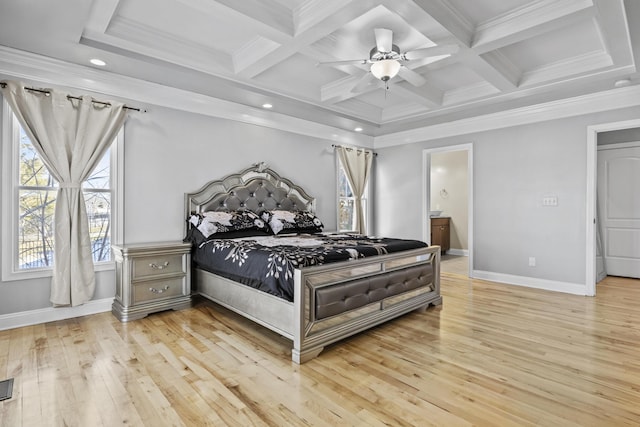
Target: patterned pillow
[
  {"x": 222, "y": 224},
  {"x": 292, "y": 222}
]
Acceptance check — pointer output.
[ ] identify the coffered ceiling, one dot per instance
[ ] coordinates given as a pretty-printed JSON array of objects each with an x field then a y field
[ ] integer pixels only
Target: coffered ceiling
[{"x": 506, "y": 53}]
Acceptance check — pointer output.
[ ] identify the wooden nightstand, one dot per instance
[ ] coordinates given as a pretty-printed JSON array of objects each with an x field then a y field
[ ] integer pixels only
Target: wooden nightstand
[{"x": 151, "y": 277}]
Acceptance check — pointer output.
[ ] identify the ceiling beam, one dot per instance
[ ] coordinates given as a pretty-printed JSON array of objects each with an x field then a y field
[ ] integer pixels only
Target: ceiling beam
[
  {"x": 268, "y": 12},
  {"x": 499, "y": 77},
  {"x": 502, "y": 65},
  {"x": 313, "y": 12},
  {"x": 528, "y": 21},
  {"x": 449, "y": 18},
  {"x": 335, "y": 19},
  {"x": 274, "y": 27},
  {"x": 102, "y": 12},
  {"x": 126, "y": 36},
  {"x": 575, "y": 66},
  {"x": 614, "y": 30}
]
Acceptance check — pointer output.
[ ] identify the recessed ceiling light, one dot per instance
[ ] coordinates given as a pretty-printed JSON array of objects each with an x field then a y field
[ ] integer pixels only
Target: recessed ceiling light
[
  {"x": 358, "y": 129},
  {"x": 98, "y": 62},
  {"x": 267, "y": 106}
]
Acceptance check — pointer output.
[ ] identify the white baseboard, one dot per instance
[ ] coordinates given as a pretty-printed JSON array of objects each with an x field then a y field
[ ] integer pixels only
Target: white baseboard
[
  {"x": 458, "y": 252},
  {"x": 51, "y": 314},
  {"x": 532, "y": 282}
]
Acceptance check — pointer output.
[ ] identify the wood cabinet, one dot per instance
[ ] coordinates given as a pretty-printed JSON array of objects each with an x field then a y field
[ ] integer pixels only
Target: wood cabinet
[
  {"x": 440, "y": 233},
  {"x": 151, "y": 277}
]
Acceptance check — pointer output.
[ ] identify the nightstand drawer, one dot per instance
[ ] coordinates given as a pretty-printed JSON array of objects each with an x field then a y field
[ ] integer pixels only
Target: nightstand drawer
[
  {"x": 149, "y": 266},
  {"x": 157, "y": 289}
]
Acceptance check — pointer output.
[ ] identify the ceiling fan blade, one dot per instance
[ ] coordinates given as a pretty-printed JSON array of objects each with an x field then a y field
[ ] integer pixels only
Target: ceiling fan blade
[
  {"x": 346, "y": 62},
  {"x": 445, "y": 49},
  {"x": 384, "y": 40},
  {"x": 411, "y": 76},
  {"x": 363, "y": 83}
]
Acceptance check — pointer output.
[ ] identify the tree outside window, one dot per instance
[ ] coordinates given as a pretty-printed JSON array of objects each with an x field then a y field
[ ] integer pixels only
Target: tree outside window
[
  {"x": 37, "y": 191},
  {"x": 346, "y": 203}
]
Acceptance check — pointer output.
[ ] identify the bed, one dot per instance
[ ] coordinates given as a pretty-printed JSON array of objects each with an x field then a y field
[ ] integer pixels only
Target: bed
[{"x": 330, "y": 300}]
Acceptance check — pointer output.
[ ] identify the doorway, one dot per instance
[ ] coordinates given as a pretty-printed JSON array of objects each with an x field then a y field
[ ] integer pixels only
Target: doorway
[
  {"x": 448, "y": 205},
  {"x": 618, "y": 208},
  {"x": 591, "y": 199}
]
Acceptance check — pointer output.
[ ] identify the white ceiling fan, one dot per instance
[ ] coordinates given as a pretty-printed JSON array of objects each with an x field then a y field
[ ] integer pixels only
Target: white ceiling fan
[{"x": 387, "y": 61}]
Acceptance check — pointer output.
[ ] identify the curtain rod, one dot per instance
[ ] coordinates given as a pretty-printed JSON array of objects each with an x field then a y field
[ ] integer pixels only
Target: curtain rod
[
  {"x": 33, "y": 89},
  {"x": 349, "y": 148}
]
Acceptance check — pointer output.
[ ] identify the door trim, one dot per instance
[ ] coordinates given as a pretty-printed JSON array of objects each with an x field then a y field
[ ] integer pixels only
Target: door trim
[
  {"x": 633, "y": 144},
  {"x": 592, "y": 182},
  {"x": 426, "y": 193}
]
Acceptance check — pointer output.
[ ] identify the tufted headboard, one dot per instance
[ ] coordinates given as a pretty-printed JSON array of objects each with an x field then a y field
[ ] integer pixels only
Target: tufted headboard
[{"x": 255, "y": 188}]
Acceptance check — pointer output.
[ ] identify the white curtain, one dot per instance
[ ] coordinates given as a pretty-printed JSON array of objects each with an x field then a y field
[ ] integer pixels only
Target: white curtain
[
  {"x": 357, "y": 167},
  {"x": 71, "y": 136}
]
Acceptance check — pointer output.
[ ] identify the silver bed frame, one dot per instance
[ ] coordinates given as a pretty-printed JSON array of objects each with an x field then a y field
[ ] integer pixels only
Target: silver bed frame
[{"x": 259, "y": 187}]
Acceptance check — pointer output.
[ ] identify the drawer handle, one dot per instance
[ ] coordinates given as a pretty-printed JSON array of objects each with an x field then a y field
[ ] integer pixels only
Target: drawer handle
[
  {"x": 159, "y": 267},
  {"x": 159, "y": 291}
]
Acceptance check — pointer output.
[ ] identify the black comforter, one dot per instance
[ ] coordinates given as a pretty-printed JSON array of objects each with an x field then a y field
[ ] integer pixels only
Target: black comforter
[{"x": 268, "y": 262}]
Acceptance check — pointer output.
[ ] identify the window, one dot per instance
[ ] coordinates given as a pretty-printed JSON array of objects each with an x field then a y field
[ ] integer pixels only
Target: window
[
  {"x": 29, "y": 197},
  {"x": 346, "y": 202}
]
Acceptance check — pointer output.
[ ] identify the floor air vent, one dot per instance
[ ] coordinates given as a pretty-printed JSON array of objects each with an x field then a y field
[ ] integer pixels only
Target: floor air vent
[{"x": 6, "y": 388}]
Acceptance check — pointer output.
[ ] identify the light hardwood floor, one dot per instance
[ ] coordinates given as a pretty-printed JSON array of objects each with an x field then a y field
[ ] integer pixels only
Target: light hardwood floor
[
  {"x": 455, "y": 264},
  {"x": 490, "y": 355}
]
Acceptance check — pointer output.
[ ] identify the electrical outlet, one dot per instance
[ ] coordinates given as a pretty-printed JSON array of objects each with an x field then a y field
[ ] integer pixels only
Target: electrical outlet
[
  {"x": 550, "y": 201},
  {"x": 532, "y": 261}
]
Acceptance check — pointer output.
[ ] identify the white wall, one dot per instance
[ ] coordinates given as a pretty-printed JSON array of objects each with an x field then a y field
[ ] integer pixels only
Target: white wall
[
  {"x": 169, "y": 153},
  {"x": 513, "y": 169}
]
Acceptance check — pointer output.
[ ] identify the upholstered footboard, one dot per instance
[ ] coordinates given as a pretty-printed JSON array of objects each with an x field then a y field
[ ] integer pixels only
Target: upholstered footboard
[
  {"x": 351, "y": 295},
  {"x": 336, "y": 301}
]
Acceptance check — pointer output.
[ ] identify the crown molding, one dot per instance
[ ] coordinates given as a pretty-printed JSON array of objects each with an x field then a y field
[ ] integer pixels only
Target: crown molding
[
  {"x": 47, "y": 71},
  {"x": 570, "y": 107}
]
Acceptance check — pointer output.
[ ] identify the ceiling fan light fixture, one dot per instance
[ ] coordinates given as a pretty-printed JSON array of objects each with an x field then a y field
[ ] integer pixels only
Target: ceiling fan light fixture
[{"x": 385, "y": 69}]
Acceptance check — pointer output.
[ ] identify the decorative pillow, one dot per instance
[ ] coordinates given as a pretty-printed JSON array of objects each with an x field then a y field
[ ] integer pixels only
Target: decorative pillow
[
  {"x": 226, "y": 225},
  {"x": 292, "y": 222}
]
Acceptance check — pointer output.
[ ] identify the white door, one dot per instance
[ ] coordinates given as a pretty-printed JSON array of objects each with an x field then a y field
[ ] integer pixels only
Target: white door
[{"x": 619, "y": 207}]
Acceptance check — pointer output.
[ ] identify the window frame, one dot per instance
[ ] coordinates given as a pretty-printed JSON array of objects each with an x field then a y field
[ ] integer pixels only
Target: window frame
[
  {"x": 9, "y": 192},
  {"x": 366, "y": 198}
]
